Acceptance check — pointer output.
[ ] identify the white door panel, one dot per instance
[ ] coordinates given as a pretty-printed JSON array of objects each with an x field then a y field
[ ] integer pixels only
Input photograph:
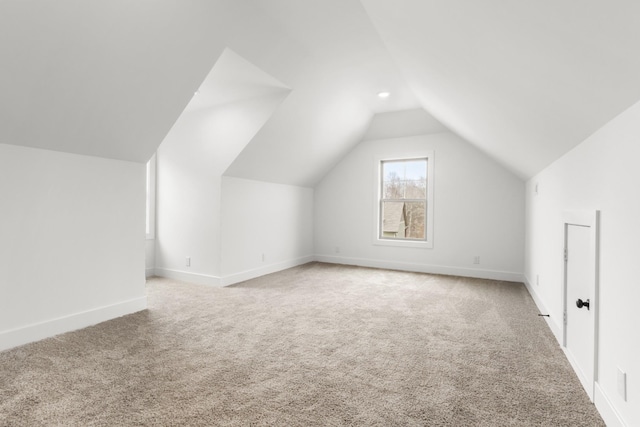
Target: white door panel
[{"x": 579, "y": 330}]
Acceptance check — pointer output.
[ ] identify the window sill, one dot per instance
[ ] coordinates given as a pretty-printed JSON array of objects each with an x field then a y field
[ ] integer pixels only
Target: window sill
[{"x": 403, "y": 243}]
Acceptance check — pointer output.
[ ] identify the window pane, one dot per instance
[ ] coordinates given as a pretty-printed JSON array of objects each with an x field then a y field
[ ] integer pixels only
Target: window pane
[
  {"x": 415, "y": 189},
  {"x": 415, "y": 169},
  {"x": 393, "y": 190},
  {"x": 403, "y": 220},
  {"x": 404, "y": 199},
  {"x": 392, "y": 171},
  {"x": 404, "y": 179},
  {"x": 393, "y": 220},
  {"x": 415, "y": 217}
]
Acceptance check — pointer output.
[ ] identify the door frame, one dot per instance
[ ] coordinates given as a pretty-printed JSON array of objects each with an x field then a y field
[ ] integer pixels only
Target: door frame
[{"x": 589, "y": 219}]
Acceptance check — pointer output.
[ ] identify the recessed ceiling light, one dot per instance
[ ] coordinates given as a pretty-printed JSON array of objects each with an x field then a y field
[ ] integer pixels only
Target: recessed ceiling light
[
  {"x": 383, "y": 95},
  {"x": 196, "y": 92}
]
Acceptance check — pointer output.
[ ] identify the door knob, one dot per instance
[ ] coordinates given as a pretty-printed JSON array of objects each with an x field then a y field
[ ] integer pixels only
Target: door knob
[{"x": 581, "y": 303}]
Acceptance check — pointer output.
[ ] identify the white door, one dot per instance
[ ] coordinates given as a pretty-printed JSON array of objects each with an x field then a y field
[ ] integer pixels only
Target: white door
[{"x": 579, "y": 304}]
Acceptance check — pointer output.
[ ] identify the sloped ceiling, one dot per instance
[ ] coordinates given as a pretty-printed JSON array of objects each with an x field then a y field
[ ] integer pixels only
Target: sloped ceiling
[
  {"x": 339, "y": 67},
  {"x": 231, "y": 80},
  {"x": 232, "y": 104},
  {"x": 523, "y": 81},
  {"x": 101, "y": 78}
]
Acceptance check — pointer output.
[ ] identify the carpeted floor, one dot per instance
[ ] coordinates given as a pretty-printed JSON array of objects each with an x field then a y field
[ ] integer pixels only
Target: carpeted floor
[{"x": 316, "y": 345}]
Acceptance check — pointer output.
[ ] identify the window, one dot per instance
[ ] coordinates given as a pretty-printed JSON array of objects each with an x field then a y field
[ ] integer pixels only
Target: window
[
  {"x": 151, "y": 198},
  {"x": 405, "y": 201}
]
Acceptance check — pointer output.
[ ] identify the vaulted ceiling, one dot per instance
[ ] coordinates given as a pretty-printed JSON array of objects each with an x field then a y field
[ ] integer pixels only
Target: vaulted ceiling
[{"x": 523, "y": 81}]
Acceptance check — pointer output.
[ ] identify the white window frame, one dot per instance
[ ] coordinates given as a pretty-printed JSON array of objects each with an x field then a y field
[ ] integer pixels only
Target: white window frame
[
  {"x": 377, "y": 239},
  {"x": 150, "y": 224}
]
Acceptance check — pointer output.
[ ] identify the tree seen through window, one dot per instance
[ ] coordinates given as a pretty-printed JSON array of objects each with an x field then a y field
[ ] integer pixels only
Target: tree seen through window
[{"x": 403, "y": 199}]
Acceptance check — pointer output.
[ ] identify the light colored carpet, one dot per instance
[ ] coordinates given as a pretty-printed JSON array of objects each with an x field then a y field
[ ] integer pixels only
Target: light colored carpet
[{"x": 314, "y": 345}]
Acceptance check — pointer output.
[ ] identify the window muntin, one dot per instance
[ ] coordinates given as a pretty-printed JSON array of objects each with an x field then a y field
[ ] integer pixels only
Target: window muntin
[{"x": 403, "y": 199}]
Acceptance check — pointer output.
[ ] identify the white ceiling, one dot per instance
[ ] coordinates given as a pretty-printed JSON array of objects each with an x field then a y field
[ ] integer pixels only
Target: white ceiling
[
  {"x": 233, "y": 79},
  {"x": 101, "y": 78},
  {"x": 400, "y": 124},
  {"x": 335, "y": 64},
  {"x": 523, "y": 81}
]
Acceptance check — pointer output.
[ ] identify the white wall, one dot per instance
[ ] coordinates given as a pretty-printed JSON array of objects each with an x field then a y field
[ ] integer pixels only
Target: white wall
[
  {"x": 191, "y": 162},
  {"x": 479, "y": 211},
  {"x": 602, "y": 173},
  {"x": 71, "y": 242},
  {"x": 150, "y": 257},
  {"x": 266, "y": 227}
]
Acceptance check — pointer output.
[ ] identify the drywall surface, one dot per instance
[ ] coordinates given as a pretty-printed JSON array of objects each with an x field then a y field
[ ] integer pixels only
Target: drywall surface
[
  {"x": 191, "y": 161},
  {"x": 546, "y": 74},
  {"x": 265, "y": 227},
  {"x": 150, "y": 257},
  {"x": 187, "y": 199},
  {"x": 398, "y": 124},
  {"x": 70, "y": 83},
  {"x": 478, "y": 211},
  {"x": 71, "y": 241},
  {"x": 602, "y": 174}
]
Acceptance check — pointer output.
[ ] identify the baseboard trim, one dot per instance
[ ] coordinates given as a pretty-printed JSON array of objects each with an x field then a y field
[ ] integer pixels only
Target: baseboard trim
[
  {"x": 268, "y": 269},
  {"x": 604, "y": 406},
  {"x": 586, "y": 385},
  {"x": 230, "y": 279},
  {"x": 607, "y": 411},
  {"x": 38, "y": 331},
  {"x": 424, "y": 268},
  {"x": 553, "y": 325},
  {"x": 200, "y": 279}
]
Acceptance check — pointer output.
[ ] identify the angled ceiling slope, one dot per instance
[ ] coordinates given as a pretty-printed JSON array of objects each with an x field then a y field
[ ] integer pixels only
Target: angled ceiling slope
[
  {"x": 524, "y": 81},
  {"x": 233, "y": 79},
  {"x": 231, "y": 105},
  {"x": 335, "y": 64},
  {"x": 105, "y": 78}
]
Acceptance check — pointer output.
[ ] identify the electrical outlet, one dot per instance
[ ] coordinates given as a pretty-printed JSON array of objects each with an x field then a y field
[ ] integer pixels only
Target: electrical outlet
[
  {"x": 537, "y": 280},
  {"x": 188, "y": 261},
  {"x": 337, "y": 249},
  {"x": 622, "y": 384},
  {"x": 263, "y": 257},
  {"x": 476, "y": 259}
]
